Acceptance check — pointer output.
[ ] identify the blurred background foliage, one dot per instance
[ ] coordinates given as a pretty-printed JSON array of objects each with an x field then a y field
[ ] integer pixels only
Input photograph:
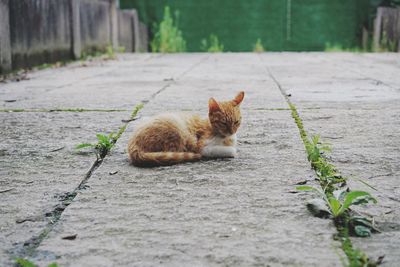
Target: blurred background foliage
[{"x": 280, "y": 25}]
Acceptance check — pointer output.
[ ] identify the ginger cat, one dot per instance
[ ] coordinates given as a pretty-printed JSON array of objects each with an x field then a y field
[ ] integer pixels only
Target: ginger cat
[{"x": 172, "y": 138}]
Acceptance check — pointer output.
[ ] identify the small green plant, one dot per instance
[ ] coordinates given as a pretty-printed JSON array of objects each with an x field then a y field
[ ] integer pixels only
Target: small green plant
[
  {"x": 336, "y": 201},
  {"x": 168, "y": 38},
  {"x": 340, "y": 201},
  {"x": 20, "y": 262},
  {"x": 136, "y": 110},
  {"x": 106, "y": 142},
  {"x": 121, "y": 49},
  {"x": 387, "y": 45},
  {"x": 106, "y": 53},
  {"x": 316, "y": 151},
  {"x": 103, "y": 145},
  {"x": 212, "y": 45},
  {"x": 315, "y": 148},
  {"x": 340, "y": 48},
  {"x": 258, "y": 47},
  {"x": 110, "y": 52}
]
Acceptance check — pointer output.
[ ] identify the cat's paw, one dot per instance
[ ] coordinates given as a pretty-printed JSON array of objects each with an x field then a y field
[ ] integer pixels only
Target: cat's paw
[{"x": 219, "y": 152}]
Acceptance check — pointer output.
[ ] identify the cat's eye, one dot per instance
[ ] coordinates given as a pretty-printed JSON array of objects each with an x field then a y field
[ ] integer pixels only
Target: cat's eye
[{"x": 237, "y": 122}]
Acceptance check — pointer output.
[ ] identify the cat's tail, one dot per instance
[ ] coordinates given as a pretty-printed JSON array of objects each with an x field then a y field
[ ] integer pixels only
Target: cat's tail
[{"x": 151, "y": 159}]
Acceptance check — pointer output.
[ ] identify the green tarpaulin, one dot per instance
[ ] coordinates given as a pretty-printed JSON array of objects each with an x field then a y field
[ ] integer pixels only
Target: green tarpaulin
[{"x": 294, "y": 25}]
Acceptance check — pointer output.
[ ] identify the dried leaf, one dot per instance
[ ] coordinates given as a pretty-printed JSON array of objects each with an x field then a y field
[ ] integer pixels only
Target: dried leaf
[{"x": 70, "y": 237}]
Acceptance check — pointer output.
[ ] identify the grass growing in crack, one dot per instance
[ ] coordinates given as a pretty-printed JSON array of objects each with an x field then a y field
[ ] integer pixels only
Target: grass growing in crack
[
  {"x": 337, "y": 198},
  {"x": 340, "y": 200},
  {"x": 62, "y": 110},
  {"x": 107, "y": 53},
  {"x": 20, "y": 262},
  {"x": 168, "y": 38},
  {"x": 106, "y": 142},
  {"x": 258, "y": 47},
  {"x": 136, "y": 110},
  {"x": 213, "y": 44},
  {"x": 340, "y": 48},
  {"x": 103, "y": 145}
]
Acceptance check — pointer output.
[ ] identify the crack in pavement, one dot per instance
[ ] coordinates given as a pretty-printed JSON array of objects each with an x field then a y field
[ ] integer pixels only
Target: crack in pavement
[
  {"x": 347, "y": 248},
  {"x": 28, "y": 248},
  {"x": 362, "y": 75},
  {"x": 62, "y": 110}
]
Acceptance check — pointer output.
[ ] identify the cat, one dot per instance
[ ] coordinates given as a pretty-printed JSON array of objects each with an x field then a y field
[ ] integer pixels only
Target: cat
[{"x": 173, "y": 138}]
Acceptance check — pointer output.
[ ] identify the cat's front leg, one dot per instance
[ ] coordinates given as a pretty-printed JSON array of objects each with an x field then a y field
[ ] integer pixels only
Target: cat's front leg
[
  {"x": 230, "y": 141},
  {"x": 219, "y": 152},
  {"x": 219, "y": 147}
]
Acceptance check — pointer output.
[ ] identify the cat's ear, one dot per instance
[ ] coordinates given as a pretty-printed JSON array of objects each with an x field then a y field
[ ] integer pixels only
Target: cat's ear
[
  {"x": 213, "y": 105},
  {"x": 238, "y": 99}
]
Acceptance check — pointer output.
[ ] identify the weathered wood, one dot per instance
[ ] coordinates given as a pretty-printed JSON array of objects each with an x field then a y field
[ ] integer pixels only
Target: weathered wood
[
  {"x": 364, "y": 38},
  {"x": 377, "y": 30},
  {"x": 34, "y": 32},
  {"x": 387, "y": 29},
  {"x": 5, "y": 46},
  {"x": 126, "y": 30},
  {"x": 114, "y": 24},
  {"x": 136, "y": 31},
  {"x": 143, "y": 38},
  {"x": 398, "y": 29},
  {"x": 76, "y": 30}
]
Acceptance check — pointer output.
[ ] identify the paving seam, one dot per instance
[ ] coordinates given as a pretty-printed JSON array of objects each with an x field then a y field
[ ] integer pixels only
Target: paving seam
[
  {"x": 78, "y": 110},
  {"x": 360, "y": 74},
  {"x": 302, "y": 131},
  {"x": 28, "y": 248},
  {"x": 150, "y": 57}
]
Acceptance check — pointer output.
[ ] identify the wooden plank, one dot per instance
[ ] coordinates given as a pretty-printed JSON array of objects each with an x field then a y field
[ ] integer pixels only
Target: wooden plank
[{"x": 377, "y": 29}]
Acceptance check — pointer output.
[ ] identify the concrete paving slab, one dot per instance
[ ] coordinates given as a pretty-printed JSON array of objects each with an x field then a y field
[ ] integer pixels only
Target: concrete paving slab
[
  {"x": 102, "y": 84},
  {"x": 322, "y": 79},
  {"x": 212, "y": 213},
  {"x": 237, "y": 212},
  {"x": 358, "y": 96},
  {"x": 366, "y": 145},
  {"x": 39, "y": 166}
]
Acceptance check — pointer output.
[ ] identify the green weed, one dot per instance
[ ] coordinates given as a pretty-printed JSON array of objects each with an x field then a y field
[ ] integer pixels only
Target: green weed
[
  {"x": 212, "y": 45},
  {"x": 106, "y": 53},
  {"x": 136, "y": 110},
  {"x": 335, "y": 198},
  {"x": 387, "y": 45},
  {"x": 103, "y": 145},
  {"x": 316, "y": 151},
  {"x": 258, "y": 47},
  {"x": 20, "y": 262},
  {"x": 340, "y": 48},
  {"x": 110, "y": 52},
  {"x": 58, "y": 64},
  {"x": 121, "y": 49},
  {"x": 168, "y": 38},
  {"x": 106, "y": 142},
  {"x": 339, "y": 201},
  {"x": 356, "y": 258}
]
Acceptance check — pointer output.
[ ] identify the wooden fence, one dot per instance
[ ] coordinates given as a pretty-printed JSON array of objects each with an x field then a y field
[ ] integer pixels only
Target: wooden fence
[
  {"x": 34, "y": 32},
  {"x": 387, "y": 29}
]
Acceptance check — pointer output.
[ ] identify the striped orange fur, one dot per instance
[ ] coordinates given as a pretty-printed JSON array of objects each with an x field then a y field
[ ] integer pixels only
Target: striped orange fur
[{"x": 173, "y": 138}]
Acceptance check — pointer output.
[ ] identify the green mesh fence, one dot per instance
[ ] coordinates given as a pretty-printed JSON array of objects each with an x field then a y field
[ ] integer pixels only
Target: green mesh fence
[{"x": 293, "y": 25}]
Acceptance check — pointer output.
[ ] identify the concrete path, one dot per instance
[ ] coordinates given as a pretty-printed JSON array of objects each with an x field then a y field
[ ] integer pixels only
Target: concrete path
[{"x": 239, "y": 212}]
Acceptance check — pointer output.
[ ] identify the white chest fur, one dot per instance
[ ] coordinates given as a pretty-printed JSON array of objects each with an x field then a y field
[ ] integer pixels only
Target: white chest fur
[{"x": 216, "y": 147}]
